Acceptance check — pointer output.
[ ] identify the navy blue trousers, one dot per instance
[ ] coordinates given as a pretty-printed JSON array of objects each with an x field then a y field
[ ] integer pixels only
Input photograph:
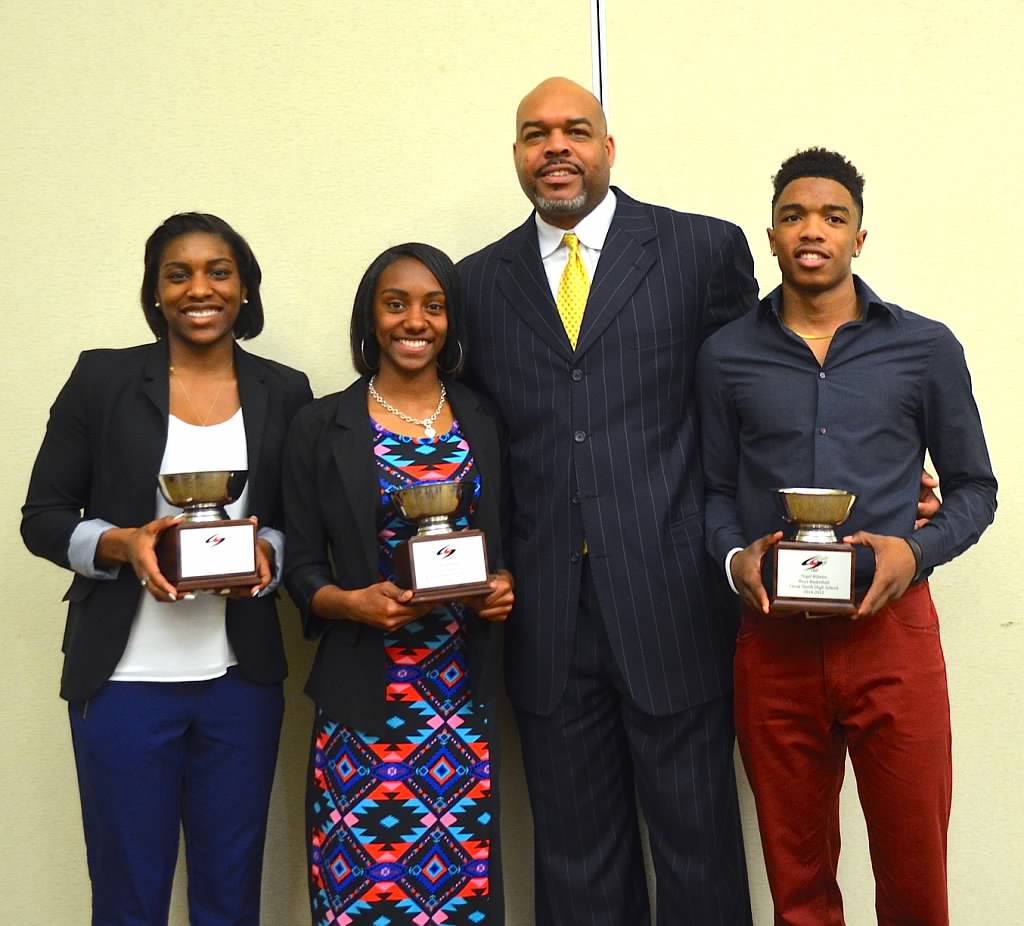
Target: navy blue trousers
[{"x": 154, "y": 758}]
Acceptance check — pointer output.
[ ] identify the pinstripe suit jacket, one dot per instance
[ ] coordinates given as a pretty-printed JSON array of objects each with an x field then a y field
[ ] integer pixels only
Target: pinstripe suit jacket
[{"x": 604, "y": 447}]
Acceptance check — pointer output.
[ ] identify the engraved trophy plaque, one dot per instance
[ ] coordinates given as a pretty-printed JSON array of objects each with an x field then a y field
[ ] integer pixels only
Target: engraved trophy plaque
[
  {"x": 207, "y": 551},
  {"x": 814, "y": 573},
  {"x": 440, "y": 563}
]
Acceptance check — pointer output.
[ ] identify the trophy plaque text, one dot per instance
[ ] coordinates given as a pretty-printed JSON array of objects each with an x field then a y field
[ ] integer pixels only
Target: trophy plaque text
[
  {"x": 814, "y": 574},
  {"x": 207, "y": 550},
  {"x": 439, "y": 563}
]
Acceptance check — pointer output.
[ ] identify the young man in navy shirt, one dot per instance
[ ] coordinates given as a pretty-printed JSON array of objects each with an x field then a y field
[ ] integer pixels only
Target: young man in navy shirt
[{"x": 825, "y": 385}]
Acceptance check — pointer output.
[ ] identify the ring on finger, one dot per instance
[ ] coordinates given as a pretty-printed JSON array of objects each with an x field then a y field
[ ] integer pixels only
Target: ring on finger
[{"x": 144, "y": 581}]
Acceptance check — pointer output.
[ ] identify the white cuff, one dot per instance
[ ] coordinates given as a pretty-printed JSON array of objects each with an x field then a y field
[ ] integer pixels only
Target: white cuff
[
  {"x": 82, "y": 550},
  {"x": 728, "y": 568}
]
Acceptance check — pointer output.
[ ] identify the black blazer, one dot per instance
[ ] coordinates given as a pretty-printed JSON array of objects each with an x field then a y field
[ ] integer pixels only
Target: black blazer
[
  {"x": 603, "y": 446},
  {"x": 100, "y": 458},
  {"x": 331, "y": 493}
]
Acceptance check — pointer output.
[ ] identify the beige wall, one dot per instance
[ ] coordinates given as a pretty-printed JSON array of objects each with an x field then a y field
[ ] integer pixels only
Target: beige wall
[{"x": 325, "y": 131}]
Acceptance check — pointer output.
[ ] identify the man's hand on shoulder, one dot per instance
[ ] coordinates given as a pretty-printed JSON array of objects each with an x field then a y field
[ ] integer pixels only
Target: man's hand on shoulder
[
  {"x": 745, "y": 569},
  {"x": 895, "y": 568}
]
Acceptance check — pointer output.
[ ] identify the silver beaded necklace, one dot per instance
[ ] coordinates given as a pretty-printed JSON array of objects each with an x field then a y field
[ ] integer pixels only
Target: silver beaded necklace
[{"x": 426, "y": 423}]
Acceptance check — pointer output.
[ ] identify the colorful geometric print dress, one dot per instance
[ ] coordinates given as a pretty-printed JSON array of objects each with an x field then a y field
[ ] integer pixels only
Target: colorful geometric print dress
[{"x": 402, "y": 825}]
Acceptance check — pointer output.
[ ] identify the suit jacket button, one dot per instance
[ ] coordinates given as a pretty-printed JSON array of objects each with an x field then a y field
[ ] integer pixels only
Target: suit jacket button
[
  {"x": 577, "y": 375},
  {"x": 579, "y": 436},
  {"x": 574, "y": 557}
]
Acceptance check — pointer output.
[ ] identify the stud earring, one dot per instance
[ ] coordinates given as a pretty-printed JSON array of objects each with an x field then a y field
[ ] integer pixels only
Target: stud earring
[
  {"x": 245, "y": 302},
  {"x": 156, "y": 305}
]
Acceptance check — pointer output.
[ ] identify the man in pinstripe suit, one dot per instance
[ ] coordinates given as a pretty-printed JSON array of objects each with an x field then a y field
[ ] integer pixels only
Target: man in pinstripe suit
[{"x": 618, "y": 658}]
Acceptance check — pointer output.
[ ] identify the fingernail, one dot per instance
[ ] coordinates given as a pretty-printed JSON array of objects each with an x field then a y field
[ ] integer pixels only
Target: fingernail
[
  {"x": 173, "y": 596},
  {"x": 256, "y": 591}
]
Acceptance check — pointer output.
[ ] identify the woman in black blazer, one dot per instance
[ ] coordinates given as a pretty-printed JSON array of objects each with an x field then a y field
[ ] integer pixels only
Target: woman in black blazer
[
  {"x": 401, "y": 814},
  {"x": 175, "y": 699}
]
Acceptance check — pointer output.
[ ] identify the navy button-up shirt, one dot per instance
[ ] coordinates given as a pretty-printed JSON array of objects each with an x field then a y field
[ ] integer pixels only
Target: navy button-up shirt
[{"x": 893, "y": 385}]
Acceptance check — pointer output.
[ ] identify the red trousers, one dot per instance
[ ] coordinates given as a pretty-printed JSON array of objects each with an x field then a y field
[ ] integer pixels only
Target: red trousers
[{"x": 809, "y": 691}]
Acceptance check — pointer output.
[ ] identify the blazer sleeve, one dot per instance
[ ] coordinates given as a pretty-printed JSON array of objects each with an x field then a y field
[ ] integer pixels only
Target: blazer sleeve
[
  {"x": 308, "y": 568},
  {"x": 720, "y": 454},
  {"x": 299, "y": 393},
  {"x": 732, "y": 287},
  {"x": 504, "y": 493},
  {"x": 61, "y": 479},
  {"x": 296, "y": 394}
]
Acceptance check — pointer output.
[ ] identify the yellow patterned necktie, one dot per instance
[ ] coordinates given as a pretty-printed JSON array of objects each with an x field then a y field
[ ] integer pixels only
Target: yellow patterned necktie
[{"x": 573, "y": 290}]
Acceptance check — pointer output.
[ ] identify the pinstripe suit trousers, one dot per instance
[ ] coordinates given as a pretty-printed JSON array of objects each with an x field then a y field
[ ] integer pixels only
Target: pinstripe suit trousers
[{"x": 590, "y": 761}]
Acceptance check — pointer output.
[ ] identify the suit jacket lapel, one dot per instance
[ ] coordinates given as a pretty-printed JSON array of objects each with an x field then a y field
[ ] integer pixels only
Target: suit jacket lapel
[
  {"x": 352, "y": 447},
  {"x": 525, "y": 285},
  {"x": 625, "y": 260},
  {"x": 253, "y": 396}
]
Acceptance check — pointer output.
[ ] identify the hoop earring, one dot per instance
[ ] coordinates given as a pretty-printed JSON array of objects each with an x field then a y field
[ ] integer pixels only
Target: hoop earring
[
  {"x": 458, "y": 365},
  {"x": 362, "y": 353}
]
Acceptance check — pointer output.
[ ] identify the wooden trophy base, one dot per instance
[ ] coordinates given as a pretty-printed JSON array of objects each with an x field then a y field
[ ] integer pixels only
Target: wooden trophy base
[
  {"x": 443, "y": 567},
  {"x": 209, "y": 555},
  {"x": 814, "y": 579}
]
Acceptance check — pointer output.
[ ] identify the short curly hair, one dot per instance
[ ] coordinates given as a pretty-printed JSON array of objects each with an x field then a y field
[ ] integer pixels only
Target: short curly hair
[{"x": 820, "y": 162}]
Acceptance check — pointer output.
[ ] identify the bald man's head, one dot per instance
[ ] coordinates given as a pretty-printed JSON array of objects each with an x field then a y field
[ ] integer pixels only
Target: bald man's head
[
  {"x": 567, "y": 90},
  {"x": 563, "y": 152}
]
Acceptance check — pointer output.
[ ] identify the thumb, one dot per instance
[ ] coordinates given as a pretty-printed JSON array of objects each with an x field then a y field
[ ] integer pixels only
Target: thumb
[
  {"x": 861, "y": 539},
  {"x": 763, "y": 544},
  {"x": 395, "y": 593},
  {"x": 161, "y": 524}
]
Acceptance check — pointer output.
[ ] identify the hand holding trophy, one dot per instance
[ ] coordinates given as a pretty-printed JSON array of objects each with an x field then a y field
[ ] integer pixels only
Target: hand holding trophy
[
  {"x": 813, "y": 574},
  {"x": 440, "y": 563},
  {"x": 207, "y": 550}
]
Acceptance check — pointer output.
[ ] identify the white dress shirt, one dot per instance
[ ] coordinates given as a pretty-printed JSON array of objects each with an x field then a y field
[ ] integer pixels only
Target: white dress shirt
[{"x": 591, "y": 230}]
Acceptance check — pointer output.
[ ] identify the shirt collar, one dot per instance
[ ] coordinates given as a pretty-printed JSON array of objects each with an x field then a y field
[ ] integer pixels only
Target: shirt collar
[
  {"x": 592, "y": 229},
  {"x": 866, "y": 296}
]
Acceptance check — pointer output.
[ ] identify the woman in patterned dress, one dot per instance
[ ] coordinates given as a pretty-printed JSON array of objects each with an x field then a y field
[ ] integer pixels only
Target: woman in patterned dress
[{"x": 401, "y": 813}]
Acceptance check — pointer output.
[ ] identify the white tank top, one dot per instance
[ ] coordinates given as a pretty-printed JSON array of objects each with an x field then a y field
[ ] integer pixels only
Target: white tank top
[{"x": 187, "y": 641}]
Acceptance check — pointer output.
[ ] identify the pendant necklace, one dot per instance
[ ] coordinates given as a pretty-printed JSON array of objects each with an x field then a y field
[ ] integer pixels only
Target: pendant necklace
[
  {"x": 426, "y": 423},
  {"x": 188, "y": 398}
]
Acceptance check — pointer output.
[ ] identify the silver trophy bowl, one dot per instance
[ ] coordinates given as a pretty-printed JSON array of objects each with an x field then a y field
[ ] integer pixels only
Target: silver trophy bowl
[
  {"x": 432, "y": 504},
  {"x": 202, "y": 496},
  {"x": 816, "y": 512}
]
